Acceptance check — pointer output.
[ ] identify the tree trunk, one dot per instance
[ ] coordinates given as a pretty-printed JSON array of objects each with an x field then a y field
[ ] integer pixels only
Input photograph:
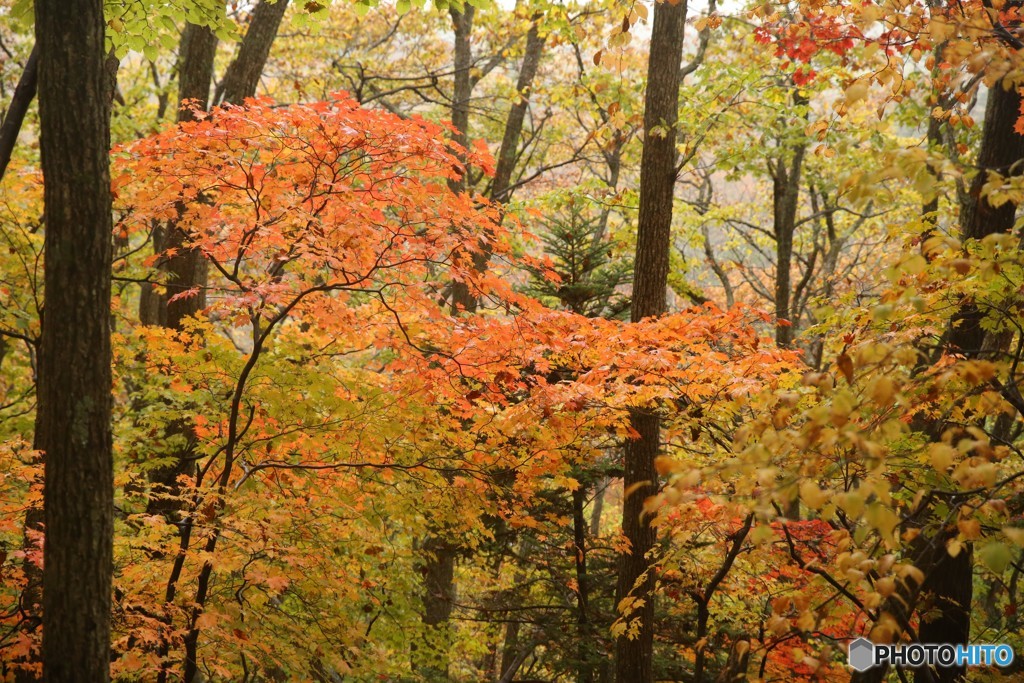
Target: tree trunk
[
  {"x": 462, "y": 86},
  {"x": 508, "y": 153},
  {"x": 195, "y": 68},
  {"x": 947, "y": 590},
  {"x": 23, "y": 95},
  {"x": 657, "y": 184},
  {"x": 735, "y": 670},
  {"x": 949, "y": 582},
  {"x": 786, "y": 175},
  {"x": 186, "y": 269},
  {"x": 948, "y": 586},
  {"x": 462, "y": 91},
  {"x": 73, "y": 420},
  {"x": 1002, "y": 151},
  {"x": 438, "y": 570},
  {"x": 601, "y": 487},
  {"x": 585, "y": 654},
  {"x": 243, "y": 75}
]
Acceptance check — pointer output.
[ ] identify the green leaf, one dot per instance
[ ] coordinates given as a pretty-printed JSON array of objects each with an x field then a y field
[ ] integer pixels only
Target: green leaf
[{"x": 996, "y": 556}]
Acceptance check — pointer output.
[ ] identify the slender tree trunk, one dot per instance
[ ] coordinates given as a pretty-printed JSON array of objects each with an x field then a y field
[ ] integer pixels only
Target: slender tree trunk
[
  {"x": 510, "y": 651},
  {"x": 195, "y": 68},
  {"x": 703, "y": 598},
  {"x": 787, "y": 171},
  {"x": 73, "y": 426},
  {"x": 462, "y": 85},
  {"x": 785, "y": 196},
  {"x": 595, "y": 514},
  {"x": 933, "y": 135},
  {"x": 585, "y": 654},
  {"x": 187, "y": 267},
  {"x": 657, "y": 185},
  {"x": 735, "y": 669},
  {"x": 508, "y": 153},
  {"x": 440, "y": 560},
  {"x": 24, "y": 93},
  {"x": 1002, "y": 151},
  {"x": 243, "y": 75},
  {"x": 462, "y": 92}
]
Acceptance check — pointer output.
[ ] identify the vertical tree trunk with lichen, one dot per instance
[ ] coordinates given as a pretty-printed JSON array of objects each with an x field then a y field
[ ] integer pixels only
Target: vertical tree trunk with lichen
[
  {"x": 657, "y": 188},
  {"x": 73, "y": 418}
]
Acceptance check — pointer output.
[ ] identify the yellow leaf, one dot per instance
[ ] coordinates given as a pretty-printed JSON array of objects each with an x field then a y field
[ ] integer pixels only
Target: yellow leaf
[
  {"x": 941, "y": 455},
  {"x": 885, "y": 586},
  {"x": 811, "y": 495},
  {"x": 882, "y": 390},
  {"x": 857, "y": 91},
  {"x": 1015, "y": 534},
  {"x": 970, "y": 528}
]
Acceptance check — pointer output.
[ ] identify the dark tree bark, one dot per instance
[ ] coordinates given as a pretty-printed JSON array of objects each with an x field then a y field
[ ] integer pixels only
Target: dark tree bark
[
  {"x": 243, "y": 75},
  {"x": 186, "y": 269},
  {"x": 1002, "y": 151},
  {"x": 195, "y": 68},
  {"x": 24, "y": 93},
  {"x": 585, "y": 653},
  {"x": 657, "y": 185},
  {"x": 786, "y": 172},
  {"x": 947, "y": 591},
  {"x": 508, "y": 153},
  {"x": 73, "y": 426},
  {"x": 438, "y": 591},
  {"x": 511, "y": 653},
  {"x": 948, "y": 586},
  {"x": 462, "y": 86},
  {"x": 735, "y": 669},
  {"x": 703, "y": 598},
  {"x": 658, "y": 162},
  {"x": 462, "y": 92}
]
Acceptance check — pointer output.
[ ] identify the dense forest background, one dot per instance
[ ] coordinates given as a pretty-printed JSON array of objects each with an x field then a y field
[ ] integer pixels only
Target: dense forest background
[{"x": 586, "y": 341}]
